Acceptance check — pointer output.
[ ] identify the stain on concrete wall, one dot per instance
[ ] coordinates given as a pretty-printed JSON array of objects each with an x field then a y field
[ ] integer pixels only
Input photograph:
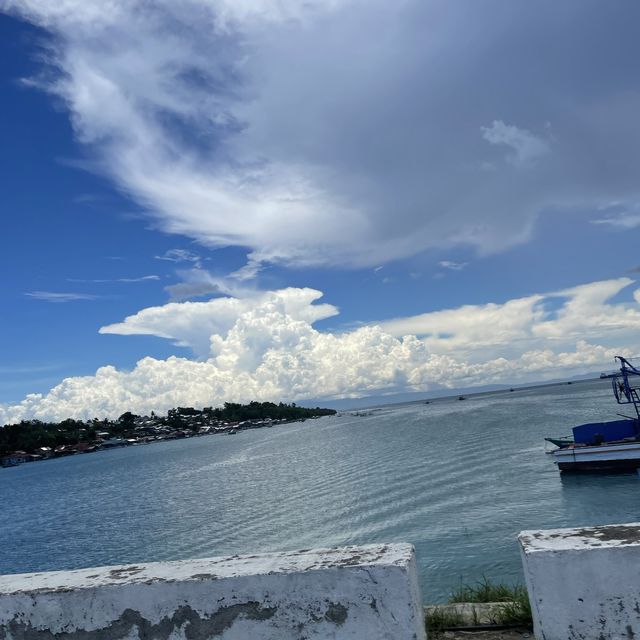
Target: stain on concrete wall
[
  {"x": 583, "y": 583},
  {"x": 360, "y": 592}
]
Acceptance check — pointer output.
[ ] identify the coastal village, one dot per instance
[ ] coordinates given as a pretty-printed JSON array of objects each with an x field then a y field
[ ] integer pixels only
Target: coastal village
[{"x": 37, "y": 441}]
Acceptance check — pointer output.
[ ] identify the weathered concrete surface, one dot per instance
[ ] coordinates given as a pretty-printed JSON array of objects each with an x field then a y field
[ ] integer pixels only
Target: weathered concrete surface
[
  {"x": 500, "y": 634},
  {"x": 366, "y": 592},
  {"x": 584, "y": 583}
]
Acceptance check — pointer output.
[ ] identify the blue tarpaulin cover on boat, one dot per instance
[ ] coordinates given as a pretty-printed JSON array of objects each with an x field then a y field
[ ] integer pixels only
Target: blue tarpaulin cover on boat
[{"x": 595, "y": 432}]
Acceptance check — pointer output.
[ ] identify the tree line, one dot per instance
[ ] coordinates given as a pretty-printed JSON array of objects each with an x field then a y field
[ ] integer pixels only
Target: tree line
[{"x": 31, "y": 435}]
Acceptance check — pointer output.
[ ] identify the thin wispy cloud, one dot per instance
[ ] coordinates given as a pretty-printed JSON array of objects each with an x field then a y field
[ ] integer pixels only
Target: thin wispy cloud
[
  {"x": 87, "y": 198},
  {"x": 621, "y": 222},
  {"x": 452, "y": 266},
  {"x": 249, "y": 271},
  {"x": 196, "y": 283},
  {"x": 29, "y": 369},
  {"x": 60, "y": 297},
  {"x": 526, "y": 148},
  {"x": 180, "y": 255},
  {"x": 109, "y": 280}
]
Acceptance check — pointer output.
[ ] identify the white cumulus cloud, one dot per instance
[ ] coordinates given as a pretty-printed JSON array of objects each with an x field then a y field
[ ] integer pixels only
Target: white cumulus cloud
[
  {"x": 556, "y": 319},
  {"x": 192, "y": 324},
  {"x": 265, "y": 347}
]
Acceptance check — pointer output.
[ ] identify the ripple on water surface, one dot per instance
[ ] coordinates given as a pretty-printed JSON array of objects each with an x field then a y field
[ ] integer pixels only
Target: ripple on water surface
[{"x": 458, "y": 479}]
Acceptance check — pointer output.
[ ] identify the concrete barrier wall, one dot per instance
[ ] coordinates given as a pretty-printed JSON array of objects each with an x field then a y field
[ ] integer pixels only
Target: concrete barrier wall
[
  {"x": 584, "y": 583},
  {"x": 366, "y": 592}
]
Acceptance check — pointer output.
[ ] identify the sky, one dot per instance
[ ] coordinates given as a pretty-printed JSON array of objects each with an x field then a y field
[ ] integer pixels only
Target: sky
[{"x": 228, "y": 200}]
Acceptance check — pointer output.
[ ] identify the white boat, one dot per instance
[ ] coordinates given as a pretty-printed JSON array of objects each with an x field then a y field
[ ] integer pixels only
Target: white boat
[
  {"x": 612, "y": 456},
  {"x": 606, "y": 446}
]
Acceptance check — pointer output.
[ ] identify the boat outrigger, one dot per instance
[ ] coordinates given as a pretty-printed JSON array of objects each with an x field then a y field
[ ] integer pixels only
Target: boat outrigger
[
  {"x": 606, "y": 446},
  {"x": 561, "y": 442}
]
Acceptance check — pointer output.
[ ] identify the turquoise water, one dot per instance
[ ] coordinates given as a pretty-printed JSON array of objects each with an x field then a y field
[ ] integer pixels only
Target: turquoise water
[{"x": 457, "y": 479}]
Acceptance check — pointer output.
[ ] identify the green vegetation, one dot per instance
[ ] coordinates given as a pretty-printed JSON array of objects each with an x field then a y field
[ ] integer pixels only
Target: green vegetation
[
  {"x": 515, "y": 609},
  {"x": 263, "y": 410},
  {"x": 31, "y": 435},
  {"x": 440, "y": 620},
  {"x": 518, "y": 611},
  {"x": 484, "y": 591}
]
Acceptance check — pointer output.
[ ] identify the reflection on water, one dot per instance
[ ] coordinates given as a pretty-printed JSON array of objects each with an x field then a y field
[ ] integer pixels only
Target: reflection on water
[{"x": 458, "y": 479}]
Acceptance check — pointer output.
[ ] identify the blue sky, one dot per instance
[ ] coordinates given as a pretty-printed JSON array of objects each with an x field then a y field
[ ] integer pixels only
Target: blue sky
[{"x": 401, "y": 160}]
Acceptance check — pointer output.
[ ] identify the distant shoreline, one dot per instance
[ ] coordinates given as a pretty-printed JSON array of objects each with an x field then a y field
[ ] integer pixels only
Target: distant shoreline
[
  {"x": 448, "y": 394},
  {"x": 33, "y": 441}
]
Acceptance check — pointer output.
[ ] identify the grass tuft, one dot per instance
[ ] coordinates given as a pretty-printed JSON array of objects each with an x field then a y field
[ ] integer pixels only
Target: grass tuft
[
  {"x": 482, "y": 591},
  {"x": 440, "y": 620},
  {"x": 516, "y": 609}
]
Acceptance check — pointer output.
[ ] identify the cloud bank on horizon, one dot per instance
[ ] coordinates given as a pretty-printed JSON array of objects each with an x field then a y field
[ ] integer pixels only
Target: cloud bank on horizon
[
  {"x": 345, "y": 132},
  {"x": 265, "y": 348}
]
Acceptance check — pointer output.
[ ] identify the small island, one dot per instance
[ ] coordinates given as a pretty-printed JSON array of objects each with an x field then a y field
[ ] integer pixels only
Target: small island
[{"x": 33, "y": 440}]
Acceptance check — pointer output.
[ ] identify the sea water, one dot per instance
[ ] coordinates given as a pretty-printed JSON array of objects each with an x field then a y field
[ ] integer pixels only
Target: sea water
[{"x": 458, "y": 479}]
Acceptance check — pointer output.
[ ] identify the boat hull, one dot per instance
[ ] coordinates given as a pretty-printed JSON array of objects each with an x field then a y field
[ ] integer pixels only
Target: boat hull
[
  {"x": 609, "y": 466},
  {"x": 622, "y": 457}
]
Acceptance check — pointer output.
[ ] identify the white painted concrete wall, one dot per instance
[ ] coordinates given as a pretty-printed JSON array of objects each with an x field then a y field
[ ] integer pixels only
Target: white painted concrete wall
[
  {"x": 366, "y": 592},
  {"x": 584, "y": 583}
]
